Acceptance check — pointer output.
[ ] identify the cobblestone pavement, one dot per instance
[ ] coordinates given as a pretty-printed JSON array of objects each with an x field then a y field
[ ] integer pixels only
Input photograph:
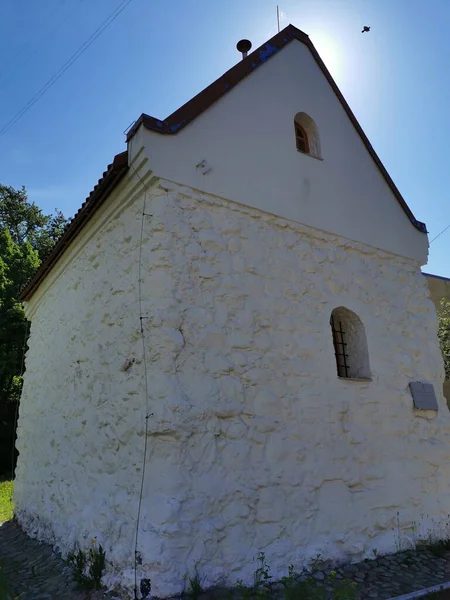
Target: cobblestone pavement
[
  {"x": 35, "y": 572},
  {"x": 390, "y": 576}
]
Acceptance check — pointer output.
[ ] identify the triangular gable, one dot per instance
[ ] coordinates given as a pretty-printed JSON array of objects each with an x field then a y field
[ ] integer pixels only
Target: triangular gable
[
  {"x": 185, "y": 115},
  {"x": 202, "y": 101}
]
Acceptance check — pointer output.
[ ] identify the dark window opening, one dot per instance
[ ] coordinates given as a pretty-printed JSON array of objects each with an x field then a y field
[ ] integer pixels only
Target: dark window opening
[
  {"x": 340, "y": 348},
  {"x": 301, "y": 139},
  {"x": 350, "y": 344}
]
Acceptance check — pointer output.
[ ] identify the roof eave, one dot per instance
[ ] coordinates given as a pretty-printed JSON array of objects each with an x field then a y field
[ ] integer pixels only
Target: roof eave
[{"x": 111, "y": 177}]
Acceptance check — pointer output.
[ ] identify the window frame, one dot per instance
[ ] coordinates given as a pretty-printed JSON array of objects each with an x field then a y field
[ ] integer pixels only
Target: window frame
[
  {"x": 351, "y": 351},
  {"x": 303, "y": 138},
  {"x": 340, "y": 347}
]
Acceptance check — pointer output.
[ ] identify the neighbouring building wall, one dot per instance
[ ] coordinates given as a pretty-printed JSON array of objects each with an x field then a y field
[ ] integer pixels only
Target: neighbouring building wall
[
  {"x": 439, "y": 290},
  {"x": 254, "y": 444}
]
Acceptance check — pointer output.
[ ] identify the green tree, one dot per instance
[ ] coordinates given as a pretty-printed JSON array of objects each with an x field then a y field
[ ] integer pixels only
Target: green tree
[
  {"x": 26, "y": 237},
  {"x": 444, "y": 334}
]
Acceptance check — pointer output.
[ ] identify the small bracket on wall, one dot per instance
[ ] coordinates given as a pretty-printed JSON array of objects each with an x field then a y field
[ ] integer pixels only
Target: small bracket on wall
[
  {"x": 423, "y": 395},
  {"x": 203, "y": 167}
]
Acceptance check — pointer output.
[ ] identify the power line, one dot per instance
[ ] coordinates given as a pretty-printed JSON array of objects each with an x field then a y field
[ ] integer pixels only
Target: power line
[
  {"x": 439, "y": 234},
  {"x": 146, "y": 386},
  {"x": 81, "y": 50}
]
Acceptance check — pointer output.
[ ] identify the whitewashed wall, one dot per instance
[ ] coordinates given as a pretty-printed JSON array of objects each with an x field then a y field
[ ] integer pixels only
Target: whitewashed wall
[{"x": 254, "y": 443}]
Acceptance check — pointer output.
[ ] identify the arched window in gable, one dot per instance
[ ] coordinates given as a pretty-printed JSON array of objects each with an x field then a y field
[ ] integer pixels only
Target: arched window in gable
[
  {"x": 307, "y": 135},
  {"x": 350, "y": 344},
  {"x": 302, "y": 139}
]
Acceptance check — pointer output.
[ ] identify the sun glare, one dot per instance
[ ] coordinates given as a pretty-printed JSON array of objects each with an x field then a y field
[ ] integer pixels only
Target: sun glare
[{"x": 330, "y": 52}]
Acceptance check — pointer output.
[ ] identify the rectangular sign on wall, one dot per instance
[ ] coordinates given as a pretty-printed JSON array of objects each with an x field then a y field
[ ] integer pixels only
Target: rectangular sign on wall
[{"x": 423, "y": 395}]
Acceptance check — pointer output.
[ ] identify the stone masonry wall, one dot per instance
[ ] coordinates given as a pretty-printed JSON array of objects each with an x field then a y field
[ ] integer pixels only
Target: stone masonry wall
[{"x": 254, "y": 443}]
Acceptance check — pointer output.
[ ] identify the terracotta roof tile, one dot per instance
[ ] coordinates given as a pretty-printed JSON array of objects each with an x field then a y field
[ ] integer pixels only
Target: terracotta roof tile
[{"x": 111, "y": 177}]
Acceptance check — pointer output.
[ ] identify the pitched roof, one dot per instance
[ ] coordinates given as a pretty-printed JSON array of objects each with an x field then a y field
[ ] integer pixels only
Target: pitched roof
[
  {"x": 111, "y": 177},
  {"x": 436, "y": 276},
  {"x": 202, "y": 101},
  {"x": 182, "y": 117}
]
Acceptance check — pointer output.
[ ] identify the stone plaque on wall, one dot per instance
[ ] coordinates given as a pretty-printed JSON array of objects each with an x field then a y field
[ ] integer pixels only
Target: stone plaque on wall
[{"x": 423, "y": 396}]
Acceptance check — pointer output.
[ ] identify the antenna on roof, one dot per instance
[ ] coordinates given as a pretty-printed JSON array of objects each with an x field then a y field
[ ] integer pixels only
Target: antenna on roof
[
  {"x": 244, "y": 46},
  {"x": 129, "y": 127},
  {"x": 278, "y": 18}
]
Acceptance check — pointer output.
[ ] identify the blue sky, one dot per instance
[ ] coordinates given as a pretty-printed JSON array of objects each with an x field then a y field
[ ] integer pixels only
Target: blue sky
[{"x": 158, "y": 54}]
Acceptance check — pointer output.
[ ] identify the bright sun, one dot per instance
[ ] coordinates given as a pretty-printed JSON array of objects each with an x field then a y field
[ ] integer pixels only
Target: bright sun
[{"x": 330, "y": 53}]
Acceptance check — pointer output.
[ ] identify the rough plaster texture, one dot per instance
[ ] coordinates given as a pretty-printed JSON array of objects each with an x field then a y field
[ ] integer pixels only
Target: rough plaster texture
[{"x": 253, "y": 443}]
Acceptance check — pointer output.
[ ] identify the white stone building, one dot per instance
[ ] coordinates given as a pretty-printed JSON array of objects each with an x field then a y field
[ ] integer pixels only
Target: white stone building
[{"x": 231, "y": 233}]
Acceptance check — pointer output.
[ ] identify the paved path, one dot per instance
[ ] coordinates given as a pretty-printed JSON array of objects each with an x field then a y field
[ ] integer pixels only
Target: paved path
[
  {"x": 35, "y": 572},
  {"x": 390, "y": 576}
]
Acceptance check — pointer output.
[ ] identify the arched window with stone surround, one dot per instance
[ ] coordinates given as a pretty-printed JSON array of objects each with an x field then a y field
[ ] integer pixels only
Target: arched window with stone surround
[
  {"x": 307, "y": 135},
  {"x": 350, "y": 344}
]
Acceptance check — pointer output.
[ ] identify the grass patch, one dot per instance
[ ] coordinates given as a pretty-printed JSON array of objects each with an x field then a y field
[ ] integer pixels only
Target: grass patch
[
  {"x": 195, "y": 587},
  {"x": 439, "y": 548},
  {"x": 294, "y": 586},
  {"x": 6, "y": 505},
  {"x": 88, "y": 566}
]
